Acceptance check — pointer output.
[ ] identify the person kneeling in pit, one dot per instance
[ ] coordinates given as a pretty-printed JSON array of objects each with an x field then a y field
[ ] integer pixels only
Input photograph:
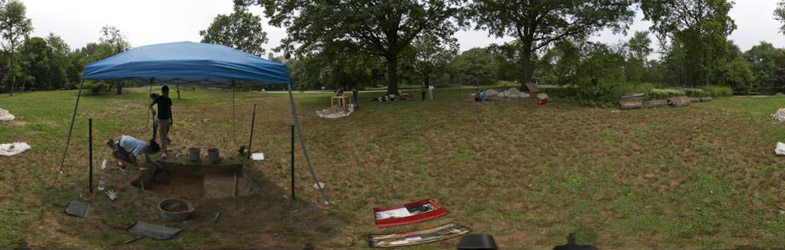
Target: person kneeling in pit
[{"x": 129, "y": 148}]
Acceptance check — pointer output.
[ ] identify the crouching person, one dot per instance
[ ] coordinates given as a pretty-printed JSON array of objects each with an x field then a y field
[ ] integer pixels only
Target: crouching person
[{"x": 129, "y": 148}]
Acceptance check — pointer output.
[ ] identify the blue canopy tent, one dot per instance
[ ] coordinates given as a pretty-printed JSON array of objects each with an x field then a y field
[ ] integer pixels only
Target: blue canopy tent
[{"x": 190, "y": 64}]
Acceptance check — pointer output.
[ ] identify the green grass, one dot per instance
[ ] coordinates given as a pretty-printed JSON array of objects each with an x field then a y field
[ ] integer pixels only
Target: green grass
[{"x": 698, "y": 177}]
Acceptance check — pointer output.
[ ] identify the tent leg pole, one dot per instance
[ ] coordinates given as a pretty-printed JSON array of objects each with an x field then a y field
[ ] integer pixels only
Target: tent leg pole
[
  {"x": 292, "y": 161},
  {"x": 297, "y": 125},
  {"x": 71, "y": 128},
  {"x": 149, "y": 100},
  {"x": 90, "y": 148},
  {"x": 234, "y": 119},
  {"x": 250, "y": 140}
]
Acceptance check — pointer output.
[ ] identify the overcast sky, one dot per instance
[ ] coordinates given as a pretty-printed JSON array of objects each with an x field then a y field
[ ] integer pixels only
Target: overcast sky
[{"x": 145, "y": 22}]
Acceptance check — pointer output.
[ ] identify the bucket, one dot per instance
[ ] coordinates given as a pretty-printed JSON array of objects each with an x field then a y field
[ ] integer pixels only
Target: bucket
[
  {"x": 175, "y": 209},
  {"x": 212, "y": 155},
  {"x": 193, "y": 154}
]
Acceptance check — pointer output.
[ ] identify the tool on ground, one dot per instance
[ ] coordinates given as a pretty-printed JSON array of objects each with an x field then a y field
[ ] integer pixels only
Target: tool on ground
[
  {"x": 111, "y": 194},
  {"x": 430, "y": 235},
  {"x": 148, "y": 230},
  {"x": 215, "y": 218},
  {"x": 76, "y": 208},
  {"x": 175, "y": 209}
]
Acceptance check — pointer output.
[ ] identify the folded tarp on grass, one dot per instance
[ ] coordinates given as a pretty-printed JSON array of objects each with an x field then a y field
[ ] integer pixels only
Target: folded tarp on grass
[
  {"x": 11, "y": 149},
  {"x": 5, "y": 116},
  {"x": 440, "y": 233},
  {"x": 408, "y": 213}
]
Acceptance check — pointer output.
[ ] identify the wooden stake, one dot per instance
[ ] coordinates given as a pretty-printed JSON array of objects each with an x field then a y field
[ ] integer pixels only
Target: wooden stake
[{"x": 234, "y": 189}]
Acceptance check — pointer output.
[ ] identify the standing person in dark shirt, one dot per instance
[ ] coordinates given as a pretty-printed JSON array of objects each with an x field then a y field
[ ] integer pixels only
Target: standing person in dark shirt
[
  {"x": 355, "y": 94},
  {"x": 424, "y": 87},
  {"x": 164, "y": 118}
]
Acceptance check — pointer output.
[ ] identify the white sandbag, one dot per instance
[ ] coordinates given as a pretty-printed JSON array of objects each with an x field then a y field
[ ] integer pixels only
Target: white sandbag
[
  {"x": 780, "y": 150},
  {"x": 780, "y": 115},
  {"x": 524, "y": 95},
  {"x": 492, "y": 92},
  {"x": 11, "y": 149},
  {"x": 542, "y": 96},
  {"x": 5, "y": 115},
  {"x": 501, "y": 95},
  {"x": 513, "y": 92}
]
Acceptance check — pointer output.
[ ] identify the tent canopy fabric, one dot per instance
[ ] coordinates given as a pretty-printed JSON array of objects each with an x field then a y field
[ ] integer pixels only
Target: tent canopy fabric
[{"x": 187, "y": 63}]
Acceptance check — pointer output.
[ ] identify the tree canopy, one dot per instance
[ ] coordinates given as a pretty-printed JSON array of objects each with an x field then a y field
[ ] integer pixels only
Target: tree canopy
[
  {"x": 240, "y": 30},
  {"x": 700, "y": 27},
  {"x": 380, "y": 28},
  {"x": 14, "y": 25},
  {"x": 538, "y": 23},
  {"x": 779, "y": 14}
]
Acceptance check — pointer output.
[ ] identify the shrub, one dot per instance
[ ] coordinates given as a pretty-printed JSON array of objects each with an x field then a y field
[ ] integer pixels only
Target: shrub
[
  {"x": 637, "y": 88},
  {"x": 717, "y": 91},
  {"x": 658, "y": 94},
  {"x": 696, "y": 92},
  {"x": 95, "y": 87},
  {"x": 603, "y": 95}
]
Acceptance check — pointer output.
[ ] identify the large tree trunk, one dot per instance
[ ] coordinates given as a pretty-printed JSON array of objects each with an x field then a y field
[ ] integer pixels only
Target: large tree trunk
[
  {"x": 11, "y": 68},
  {"x": 392, "y": 75},
  {"x": 527, "y": 63},
  {"x": 120, "y": 88}
]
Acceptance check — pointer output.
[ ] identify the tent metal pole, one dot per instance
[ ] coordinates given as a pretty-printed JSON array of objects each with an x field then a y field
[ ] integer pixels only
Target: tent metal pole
[
  {"x": 296, "y": 122},
  {"x": 149, "y": 101},
  {"x": 90, "y": 148},
  {"x": 234, "y": 119},
  {"x": 292, "y": 167},
  {"x": 71, "y": 129},
  {"x": 250, "y": 140}
]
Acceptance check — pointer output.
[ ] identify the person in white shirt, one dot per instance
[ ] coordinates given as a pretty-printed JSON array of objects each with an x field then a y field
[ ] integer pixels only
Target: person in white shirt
[{"x": 129, "y": 148}]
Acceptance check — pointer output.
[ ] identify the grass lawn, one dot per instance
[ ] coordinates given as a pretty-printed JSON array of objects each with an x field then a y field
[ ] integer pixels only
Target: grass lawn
[{"x": 704, "y": 176}]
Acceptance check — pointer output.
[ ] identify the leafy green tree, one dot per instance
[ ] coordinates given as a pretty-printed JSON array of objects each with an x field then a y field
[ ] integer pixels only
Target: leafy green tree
[
  {"x": 508, "y": 60},
  {"x": 779, "y": 14},
  {"x": 601, "y": 63},
  {"x": 59, "y": 63},
  {"x": 432, "y": 56},
  {"x": 538, "y": 23},
  {"x": 764, "y": 60},
  {"x": 640, "y": 46},
  {"x": 380, "y": 28},
  {"x": 14, "y": 25},
  {"x": 240, "y": 30},
  {"x": 473, "y": 67},
  {"x": 114, "y": 37},
  {"x": 699, "y": 27},
  {"x": 561, "y": 62},
  {"x": 35, "y": 60},
  {"x": 737, "y": 74},
  {"x": 113, "y": 41},
  {"x": 346, "y": 70}
]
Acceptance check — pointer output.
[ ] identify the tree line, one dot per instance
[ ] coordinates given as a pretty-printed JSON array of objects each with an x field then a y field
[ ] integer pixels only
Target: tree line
[
  {"x": 47, "y": 63},
  {"x": 358, "y": 43},
  {"x": 362, "y": 43}
]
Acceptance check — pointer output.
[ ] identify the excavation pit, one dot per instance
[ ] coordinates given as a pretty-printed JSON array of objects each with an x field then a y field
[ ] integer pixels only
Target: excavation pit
[{"x": 197, "y": 179}]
